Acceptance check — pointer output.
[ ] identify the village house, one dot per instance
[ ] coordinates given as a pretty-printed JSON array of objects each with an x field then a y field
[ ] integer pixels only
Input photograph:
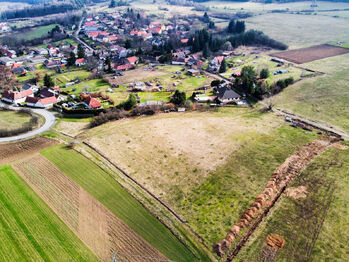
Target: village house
[
  {"x": 47, "y": 102},
  {"x": 226, "y": 95},
  {"x": 215, "y": 63},
  {"x": 80, "y": 62},
  {"x": 15, "y": 97},
  {"x": 193, "y": 72},
  {"x": 133, "y": 60},
  {"x": 92, "y": 102},
  {"x": 6, "y": 61}
]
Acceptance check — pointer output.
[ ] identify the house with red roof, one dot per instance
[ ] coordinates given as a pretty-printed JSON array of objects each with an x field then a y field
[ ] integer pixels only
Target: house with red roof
[
  {"x": 41, "y": 102},
  {"x": 80, "y": 62},
  {"x": 133, "y": 60},
  {"x": 124, "y": 67},
  {"x": 92, "y": 102},
  {"x": 15, "y": 97}
]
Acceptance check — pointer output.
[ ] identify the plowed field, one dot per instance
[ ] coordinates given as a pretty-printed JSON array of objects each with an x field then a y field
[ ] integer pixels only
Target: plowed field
[{"x": 309, "y": 54}]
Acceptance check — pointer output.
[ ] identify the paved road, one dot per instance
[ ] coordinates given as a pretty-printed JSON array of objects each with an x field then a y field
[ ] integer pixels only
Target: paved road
[{"x": 49, "y": 121}]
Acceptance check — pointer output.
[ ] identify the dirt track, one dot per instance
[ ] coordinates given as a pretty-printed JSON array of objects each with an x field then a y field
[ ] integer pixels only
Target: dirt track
[
  {"x": 309, "y": 54},
  {"x": 93, "y": 223}
]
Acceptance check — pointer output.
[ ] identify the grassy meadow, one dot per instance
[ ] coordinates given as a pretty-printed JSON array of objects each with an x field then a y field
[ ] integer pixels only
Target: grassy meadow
[
  {"x": 214, "y": 173},
  {"x": 105, "y": 189},
  {"x": 316, "y": 226},
  {"x": 35, "y": 32},
  {"x": 300, "y": 30},
  {"x": 30, "y": 229},
  {"x": 324, "y": 98},
  {"x": 12, "y": 120}
]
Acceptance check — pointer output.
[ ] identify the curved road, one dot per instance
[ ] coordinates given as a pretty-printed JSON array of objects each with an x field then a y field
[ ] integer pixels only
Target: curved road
[{"x": 50, "y": 119}]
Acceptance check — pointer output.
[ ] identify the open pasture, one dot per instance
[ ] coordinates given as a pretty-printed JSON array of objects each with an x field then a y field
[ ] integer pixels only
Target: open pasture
[
  {"x": 314, "y": 224},
  {"x": 298, "y": 31},
  {"x": 309, "y": 54},
  {"x": 207, "y": 166},
  {"x": 12, "y": 120},
  {"x": 35, "y": 32},
  {"x": 323, "y": 98},
  {"x": 30, "y": 229}
]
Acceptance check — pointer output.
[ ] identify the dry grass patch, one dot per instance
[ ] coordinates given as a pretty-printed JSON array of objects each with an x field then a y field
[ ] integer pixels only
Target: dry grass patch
[{"x": 162, "y": 151}]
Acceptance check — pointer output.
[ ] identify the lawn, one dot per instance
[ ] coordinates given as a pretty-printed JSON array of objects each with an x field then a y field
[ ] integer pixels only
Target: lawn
[
  {"x": 324, "y": 98},
  {"x": 208, "y": 166},
  {"x": 104, "y": 188},
  {"x": 263, "y": 61},
  {"x": 36, "y": 32},
  {"x": 30, "y": 229},
  {"x": 300, "y": 30},
  {"x": 12, "y": 120},
  {"x": 298, "y": 221}
]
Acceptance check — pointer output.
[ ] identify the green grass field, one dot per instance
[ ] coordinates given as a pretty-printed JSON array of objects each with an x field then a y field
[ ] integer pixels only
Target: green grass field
[
  {"x": 213, "y": 174},
  {"x": 35, "y": 32},
  {"x": 324, "y": 98},
  {"x": 216, "y": 204},
  {"x": 12, "y": 120},
  {"x": 29, "y": 229},
  {"x": 105, "y": 189},
  {"x": 298, "y": 220},
  {"x": 300, "y": 30},
  {"x": 261, "y": 62}
]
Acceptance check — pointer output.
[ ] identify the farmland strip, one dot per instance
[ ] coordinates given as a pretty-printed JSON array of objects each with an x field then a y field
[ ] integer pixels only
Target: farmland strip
[{"x": 100, "y": 229}]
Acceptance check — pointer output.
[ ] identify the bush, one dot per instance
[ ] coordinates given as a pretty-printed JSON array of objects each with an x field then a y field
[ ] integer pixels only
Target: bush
[{"x": 264, "y": 73}]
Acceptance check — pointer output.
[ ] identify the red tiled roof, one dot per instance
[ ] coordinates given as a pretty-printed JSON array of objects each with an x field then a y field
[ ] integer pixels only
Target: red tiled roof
[
  {"x": 124, "y": 67},
  {"x": 184, "y": 41},
  {"x": 93, "y": 102},
  {"x": 17, "y": 95},
  {"x": 132, "y": 59},
  {"x": 48, "y": 100},
  {"x": 80, "y": 60}
]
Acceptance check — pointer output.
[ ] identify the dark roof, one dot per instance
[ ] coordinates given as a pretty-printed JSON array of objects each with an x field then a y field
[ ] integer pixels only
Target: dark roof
[{"x": 226, "y": 93}]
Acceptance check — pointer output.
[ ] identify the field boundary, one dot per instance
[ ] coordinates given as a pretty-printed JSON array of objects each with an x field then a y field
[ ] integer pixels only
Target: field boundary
[{"x": 159, "y": 201}]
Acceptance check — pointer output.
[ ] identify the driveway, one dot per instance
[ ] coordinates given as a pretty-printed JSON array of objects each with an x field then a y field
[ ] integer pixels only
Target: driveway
[{"x": 50, "y": 119}]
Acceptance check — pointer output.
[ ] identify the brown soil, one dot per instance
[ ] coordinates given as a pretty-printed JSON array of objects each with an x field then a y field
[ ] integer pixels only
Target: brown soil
[
  {"x": 341, "y": 146},
  {"x": 296, "y": 192},
  {"x": 13, "y": 151},
  {"x": 94, "y": 224},
  {"x": 281, "y": 177},
  {"x": 309, "y": 54}
]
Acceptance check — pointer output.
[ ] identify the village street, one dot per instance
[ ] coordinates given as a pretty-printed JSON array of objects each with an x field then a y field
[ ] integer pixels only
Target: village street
[{"x": 50, "y": 119}]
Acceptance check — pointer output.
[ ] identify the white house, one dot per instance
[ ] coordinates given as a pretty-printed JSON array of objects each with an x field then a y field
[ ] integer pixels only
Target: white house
[{"x": 16, "y": 97}]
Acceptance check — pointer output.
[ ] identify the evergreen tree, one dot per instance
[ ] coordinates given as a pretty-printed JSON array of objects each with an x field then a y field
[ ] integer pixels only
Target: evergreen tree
[
  {"x": 81, "y": 51},
  {"x": 264, "y": 73},
  {"x": 231, "y": 27},
  {"x": 128, "y": 43},
  {"x": 248, "y": 78},
  {"x": 112, "y": 4},
  {"x": 48, "y": 82},
  {"x": 178, "y": 98},
  {"x": 138, "y": 16},
  {"x": 130, "y": 103},
  {"x": 206, "y": 51},
  {"x": 223, "y": 67},
  {"x": 240, "y": 27},
  {"x": 72, "y": 59},
  {"x": 211, "y": 25}
]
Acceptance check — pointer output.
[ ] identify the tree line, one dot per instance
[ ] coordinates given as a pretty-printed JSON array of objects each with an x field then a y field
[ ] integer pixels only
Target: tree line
[{"x": 39, "y": 10}]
